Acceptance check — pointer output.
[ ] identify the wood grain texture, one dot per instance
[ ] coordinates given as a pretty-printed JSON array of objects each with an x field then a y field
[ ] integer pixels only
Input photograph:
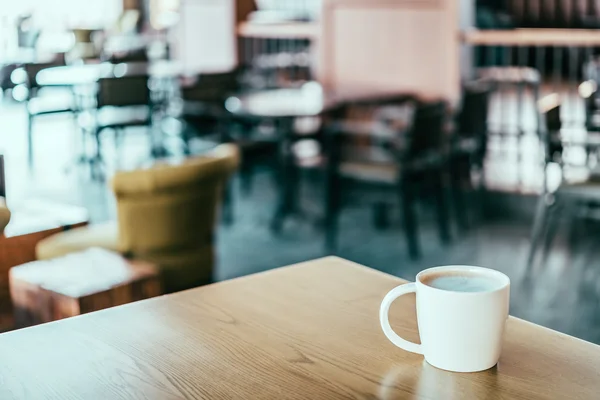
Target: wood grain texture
[
  {"x": 79, "y": 283},
  {"x": 309, "y": 331}
]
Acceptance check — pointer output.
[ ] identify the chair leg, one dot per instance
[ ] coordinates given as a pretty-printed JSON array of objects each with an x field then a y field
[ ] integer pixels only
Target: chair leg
[
  {"x": 98, "y": 145},
  {"x": 288, "y": 180},
  {"x": 458, "y": 195},
  {"x": 441, "y": 203},
  {"x": 520, "y": 105},
  {"x": 332, "y": 212},
  {"x": 537, "y": 231},
  {"x": 288, "y": 191},
  {"x": 228, "y": 203},
  {"x": 551, "y": 228},
  {"x": 410, "y": 220},
  {"x": 118, "y": 139},
  {"x": 246, "y": 175},
  {"x": 381, "y": 215},
  {"x": 95, "y": 163},
  {"x": 30, "y": 140}
]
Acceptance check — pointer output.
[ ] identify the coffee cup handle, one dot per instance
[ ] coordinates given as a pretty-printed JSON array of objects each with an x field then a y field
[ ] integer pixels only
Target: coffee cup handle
[{"x": 384, "y": 318}]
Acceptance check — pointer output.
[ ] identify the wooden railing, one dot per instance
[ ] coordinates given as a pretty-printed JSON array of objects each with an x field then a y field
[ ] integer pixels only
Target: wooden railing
[
  {"x": 533, "y": 37},
  {"x": 564, "y": 58}
]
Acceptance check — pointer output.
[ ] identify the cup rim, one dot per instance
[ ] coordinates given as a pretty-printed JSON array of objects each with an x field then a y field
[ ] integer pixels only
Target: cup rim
[{"x": 497, "y": 275}]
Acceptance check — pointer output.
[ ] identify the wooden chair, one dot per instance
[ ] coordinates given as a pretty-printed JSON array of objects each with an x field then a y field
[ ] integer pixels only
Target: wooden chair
[
  {"x": 204, "y": 102},
  {"x": 389, "y": 143},
  {"x": 204, "y": 114},
  {"x": 469, "y": 144},
  {"x": 40, "y": 103},
  {"x": 520, "y": 78},
  {"x": 571, "y": 198},
  {"x": 121, "y": 103},
  {"x": 588, "y": 91}
]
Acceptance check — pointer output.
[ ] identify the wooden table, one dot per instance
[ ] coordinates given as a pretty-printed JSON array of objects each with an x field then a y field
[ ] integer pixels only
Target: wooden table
[
  {"x": 284, "y": 106},
  {"x": 76, "y": 75},
  {"x": 308, "y": 100},
  {"x": 309, "y": 331},
  {"x": 79, "y": 283},
  {"x": 284, "y": 30}
]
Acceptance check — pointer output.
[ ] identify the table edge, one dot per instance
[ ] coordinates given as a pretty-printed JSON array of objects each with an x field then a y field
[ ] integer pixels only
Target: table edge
[{"x": 335, "y": 259}]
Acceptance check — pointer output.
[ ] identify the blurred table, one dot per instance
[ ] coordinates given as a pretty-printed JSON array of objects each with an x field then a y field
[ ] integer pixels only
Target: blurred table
[
  {"x": 86, "y": 76},
  {"x": 308, "y": 100},
  {"x": 283, "y": 30},
  {"x": 309, "y": 331},
  {"x": 78, "y": 283},
  {"x": 26, "y": 56},
  {"x": 284, "y": 106},
  {"x": 41, "y": 215},
  {"x": 75, "y": 75},
  {"x": 31, "y": 222}
]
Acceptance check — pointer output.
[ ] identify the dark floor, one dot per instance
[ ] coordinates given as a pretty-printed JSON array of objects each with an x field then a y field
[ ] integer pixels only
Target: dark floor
[{"x": 564, "y": 293}]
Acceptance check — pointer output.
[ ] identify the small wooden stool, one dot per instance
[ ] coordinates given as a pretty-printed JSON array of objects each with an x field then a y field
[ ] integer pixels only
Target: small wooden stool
[{"x": 91, "y": 280}]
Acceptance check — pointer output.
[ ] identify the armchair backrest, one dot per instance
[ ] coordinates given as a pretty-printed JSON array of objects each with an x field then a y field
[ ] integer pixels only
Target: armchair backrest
[{"x": 172, "y": 207}]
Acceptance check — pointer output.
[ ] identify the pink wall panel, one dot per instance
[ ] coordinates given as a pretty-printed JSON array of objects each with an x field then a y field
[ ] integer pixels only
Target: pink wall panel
[{"x": 391, "y": 45}]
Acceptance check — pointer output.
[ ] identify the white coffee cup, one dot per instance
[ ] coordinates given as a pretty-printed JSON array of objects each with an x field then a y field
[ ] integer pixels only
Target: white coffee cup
[{"x": 461, "y": 313}]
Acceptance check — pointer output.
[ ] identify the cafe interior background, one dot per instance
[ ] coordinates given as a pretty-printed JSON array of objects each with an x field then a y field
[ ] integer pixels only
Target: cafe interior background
[{"x": 217, "y": 139}]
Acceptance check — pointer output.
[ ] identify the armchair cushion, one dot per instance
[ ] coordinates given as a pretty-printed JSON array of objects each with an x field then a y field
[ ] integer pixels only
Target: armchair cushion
[
  {"x": 104, "y": 235},
  {"x": 183, "y": 269}
]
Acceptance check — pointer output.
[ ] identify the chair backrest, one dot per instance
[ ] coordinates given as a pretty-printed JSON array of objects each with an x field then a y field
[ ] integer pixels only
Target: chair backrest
[
  {"x": 172, "y": 207},
  {"x": 123, "y": 91},
  {"x": 212, "y": 87},
  {"x": 473, "y": 115},
  {"x": 549, "y": 108},
  {"x": 370, "y": 109},
  {"x": 428, "y": 132},
  {"x": 368, "y": 131},
  {"x": 552, "y": 119},
  {"x": 33, "y": 69},
  {"x": 134, "y": 55},
  {"x": 588, "y": 90}
]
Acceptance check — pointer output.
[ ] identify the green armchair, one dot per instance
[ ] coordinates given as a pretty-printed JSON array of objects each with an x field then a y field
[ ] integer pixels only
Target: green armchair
[{"x": 166, "y": 215}]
